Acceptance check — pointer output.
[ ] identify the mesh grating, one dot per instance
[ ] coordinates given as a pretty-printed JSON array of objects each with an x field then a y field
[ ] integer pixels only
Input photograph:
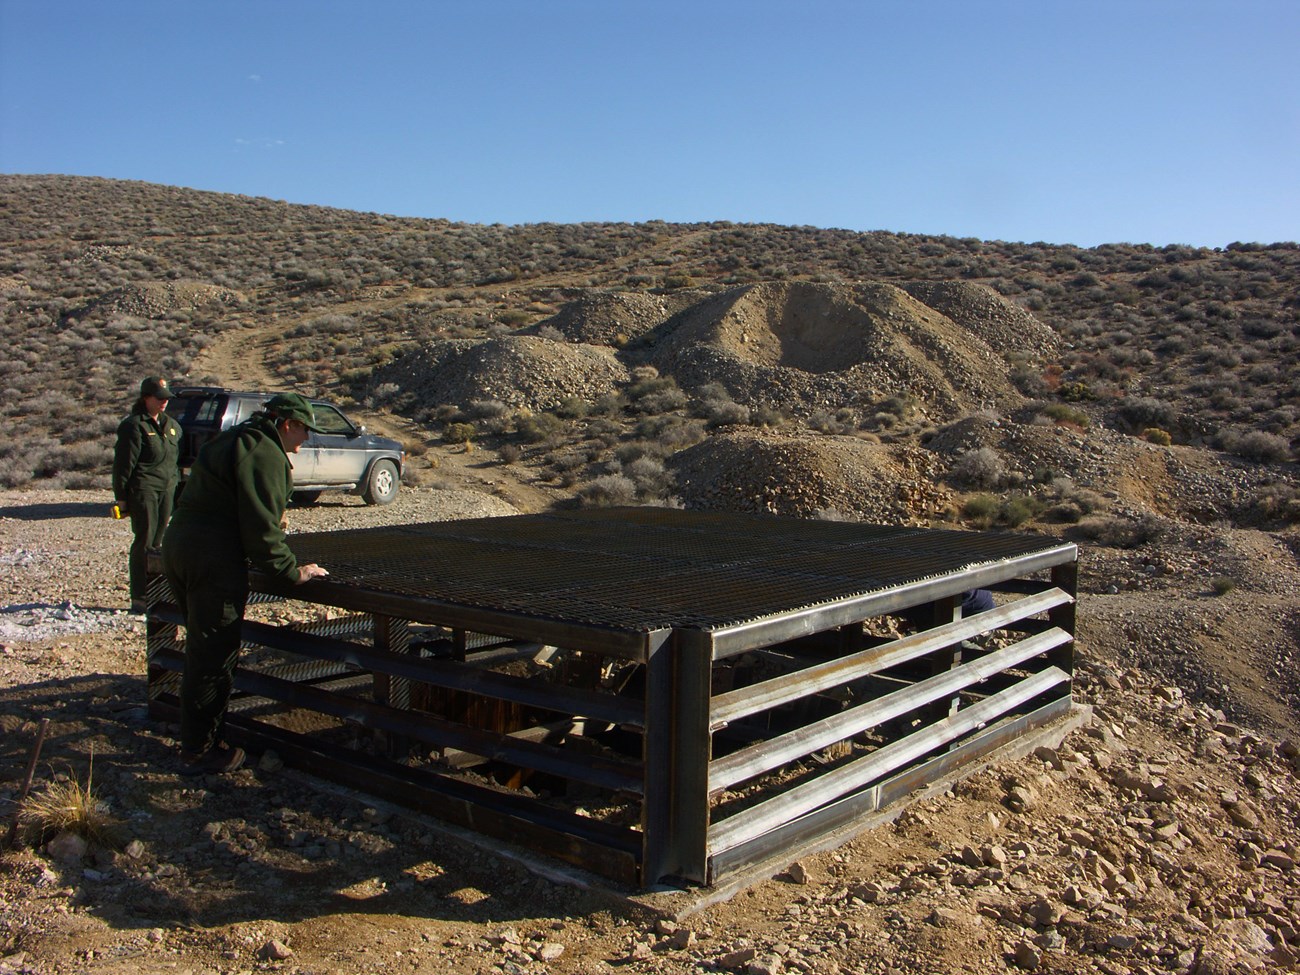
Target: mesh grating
[{"x": 650, "y": 568}]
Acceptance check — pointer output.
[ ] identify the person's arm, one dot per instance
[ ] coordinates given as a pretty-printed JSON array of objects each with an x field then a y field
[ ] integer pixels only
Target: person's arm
[
  {"x": 262, "y": 489},
  {"x": 125, "y": 456}
]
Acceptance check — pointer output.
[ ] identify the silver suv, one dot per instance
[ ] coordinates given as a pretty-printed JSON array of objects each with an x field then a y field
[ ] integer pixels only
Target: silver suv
[{"x": 342, "y": 456}]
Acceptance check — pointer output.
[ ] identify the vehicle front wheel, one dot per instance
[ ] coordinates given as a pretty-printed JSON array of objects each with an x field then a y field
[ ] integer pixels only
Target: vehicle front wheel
[{"x": 382, "y": 484}]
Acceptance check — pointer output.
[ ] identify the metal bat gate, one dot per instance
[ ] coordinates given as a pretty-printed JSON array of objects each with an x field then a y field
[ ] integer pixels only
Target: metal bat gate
[{"x": 652, "y": 694}]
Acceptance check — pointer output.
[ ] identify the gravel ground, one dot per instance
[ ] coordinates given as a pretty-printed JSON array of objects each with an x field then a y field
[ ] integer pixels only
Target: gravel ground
[{"x": 1162, "y": 838}]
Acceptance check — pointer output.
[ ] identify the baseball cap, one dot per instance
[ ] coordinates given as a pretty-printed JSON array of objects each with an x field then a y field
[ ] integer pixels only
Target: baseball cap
[
  {"x": 155, "y": 386},
  {"x": 292, "y": 406}
]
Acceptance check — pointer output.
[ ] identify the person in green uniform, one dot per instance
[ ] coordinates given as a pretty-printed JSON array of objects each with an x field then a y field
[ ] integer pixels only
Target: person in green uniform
[
  {"x": 230, "y": 517},
  {"x": 146, "y": 468}
]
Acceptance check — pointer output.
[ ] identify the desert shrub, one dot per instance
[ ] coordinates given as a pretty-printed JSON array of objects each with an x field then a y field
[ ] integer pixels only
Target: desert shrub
[
  {"x": 608, "y": 490},
  {"x": 1222, "y": 585},
  {"x": 1278, "y": 502},
  {"x": 1076, "y": 392},
  {"x": 648, "y": 474},
  {"x": 1256, "y": 445},
  {"x": 486, "y": 409},
  {"x": 459, "y": 433},
  {"x": 572, "y": 408},
  {"x": 824, "y": 422},
  {"x": 980, "y": 509},
  {"x": 729, "y": 413},
  {"x": 1065, "y": 512},
  {"x": 66, "y": 805},
  {"x": 1157, "y": 436},
  {"x": 1140, "y": 412},
  {"x": 539, "y": 427},
  {"x": 1119, "y": 532},
  {"x": 978, "y": 468},
  {"x": 514, "y": 317},
  {"x": 1067, "y": 415}
]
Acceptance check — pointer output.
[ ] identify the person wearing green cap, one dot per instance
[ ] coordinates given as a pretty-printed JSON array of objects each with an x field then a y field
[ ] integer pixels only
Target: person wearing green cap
[
  {"x": 146, "y": 469},
  {"x": 230, "y": 517}
]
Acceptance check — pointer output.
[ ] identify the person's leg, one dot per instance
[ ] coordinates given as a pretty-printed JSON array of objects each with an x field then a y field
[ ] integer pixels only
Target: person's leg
[
  {"x": 164, "y": 502},
  {"x": 976, "y": 601},
  {"x": 143, "y": 518},
  {"x": 213, "y": 619},
  {"x": 150, "y": 512},
  {"x": 211, "y": 589}
]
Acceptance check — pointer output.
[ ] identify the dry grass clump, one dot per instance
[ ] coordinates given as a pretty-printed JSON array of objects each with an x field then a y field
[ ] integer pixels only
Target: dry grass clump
[{"x": 67, "y": 805}]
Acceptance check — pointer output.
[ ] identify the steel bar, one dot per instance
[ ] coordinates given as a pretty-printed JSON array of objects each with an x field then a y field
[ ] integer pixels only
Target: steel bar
[
  {"x": 765, "y": 632},
  {"x": 772, "y": 693},
  {"x": 801, "y": 831},
  {"x": 765, "y": 756},
  {"x": 807, "y": 797},
  {"x": 601, "y": 772},
  {"x": 600, "y": 847},
  {"x": 448, "y": 674}
]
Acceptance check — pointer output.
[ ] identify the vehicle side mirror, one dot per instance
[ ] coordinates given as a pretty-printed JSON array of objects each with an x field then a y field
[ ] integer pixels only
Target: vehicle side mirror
[{"x": 361, "y": 428}]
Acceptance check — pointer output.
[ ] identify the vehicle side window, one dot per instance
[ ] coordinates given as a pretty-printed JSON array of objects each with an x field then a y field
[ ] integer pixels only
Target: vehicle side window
[{"x": 330, "y": 420}]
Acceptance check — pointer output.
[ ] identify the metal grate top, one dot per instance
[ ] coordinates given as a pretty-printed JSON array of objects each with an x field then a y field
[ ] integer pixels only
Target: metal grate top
[{"x": 642, "y": 569}]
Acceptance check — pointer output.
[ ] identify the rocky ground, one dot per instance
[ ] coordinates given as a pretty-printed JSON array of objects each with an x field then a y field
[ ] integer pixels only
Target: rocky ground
[{"x": 1160, "y": 838}]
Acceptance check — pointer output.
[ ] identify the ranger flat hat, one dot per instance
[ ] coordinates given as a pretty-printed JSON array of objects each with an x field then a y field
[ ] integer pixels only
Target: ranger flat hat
[
  {"x": 292, "y": 406},
  {"x": 155, "y": 386}
]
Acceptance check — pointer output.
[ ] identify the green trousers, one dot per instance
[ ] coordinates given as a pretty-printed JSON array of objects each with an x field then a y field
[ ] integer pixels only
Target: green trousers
[
  {"x": 150, "y": 510},
  {"x": 210, "y": 583}
]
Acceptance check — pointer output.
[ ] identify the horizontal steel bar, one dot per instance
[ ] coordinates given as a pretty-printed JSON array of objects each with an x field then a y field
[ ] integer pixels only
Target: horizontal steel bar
[
  {"x": 772, "y": 693},
  {"x": 802, "y": 799},
  {"x": 729, "y": 641},
  {"x": 454, "y": 675},
  {"x": 969, "y": 749},
  {"x": 603, "y": 848},
  {"x": 600, "y": 772},
  {"x": 448, "y": 674},
  {"x": 764, "y": 756},
  {"x": 792, "y": 839}
]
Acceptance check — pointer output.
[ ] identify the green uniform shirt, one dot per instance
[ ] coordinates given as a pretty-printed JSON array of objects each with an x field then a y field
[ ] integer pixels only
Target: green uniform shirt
[
  {"x": 235, "y": 497},
  {"x": 147, "y": 454}
]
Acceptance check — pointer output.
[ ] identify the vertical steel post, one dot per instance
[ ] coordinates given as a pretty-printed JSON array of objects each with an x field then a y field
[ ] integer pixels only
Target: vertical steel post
[
  {"x": 1066, "y": 578},
  {"x": 675, "y": 814},
  {"x": 939, "y": 613},
  {"x": 394, "y": 635}
]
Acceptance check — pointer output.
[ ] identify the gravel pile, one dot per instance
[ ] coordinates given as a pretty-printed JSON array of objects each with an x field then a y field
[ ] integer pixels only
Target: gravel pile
[
  {"x": 518, "y": 370},
  {"x": 806, "y": 475}
]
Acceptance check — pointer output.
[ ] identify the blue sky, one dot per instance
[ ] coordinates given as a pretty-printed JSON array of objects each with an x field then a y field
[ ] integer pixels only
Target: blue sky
[{"x": 1067, "y": 122}]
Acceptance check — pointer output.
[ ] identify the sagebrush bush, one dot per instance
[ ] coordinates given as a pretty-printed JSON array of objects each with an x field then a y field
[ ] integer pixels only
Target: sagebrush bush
[
  {"x": 607, "y": 491},
  {"x": 1256, "y": 445},
  {"x": 978, "y": 468}
]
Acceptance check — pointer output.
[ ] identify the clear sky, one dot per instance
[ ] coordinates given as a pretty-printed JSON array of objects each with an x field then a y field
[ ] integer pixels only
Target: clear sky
[{"x": 1085, "y": 122}]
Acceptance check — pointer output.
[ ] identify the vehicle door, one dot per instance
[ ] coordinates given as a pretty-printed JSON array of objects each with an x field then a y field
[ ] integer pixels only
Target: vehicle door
[{"x": 331, "y": 452}]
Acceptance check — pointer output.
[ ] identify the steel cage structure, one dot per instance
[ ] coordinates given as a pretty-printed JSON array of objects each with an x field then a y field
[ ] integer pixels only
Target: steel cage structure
[{"x": 655, "y": 695}]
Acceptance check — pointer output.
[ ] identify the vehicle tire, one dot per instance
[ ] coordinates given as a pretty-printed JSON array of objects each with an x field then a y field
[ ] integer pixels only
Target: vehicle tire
[
  {"x": 305, "y": 499},
  {"x": 382, "y": 483}
]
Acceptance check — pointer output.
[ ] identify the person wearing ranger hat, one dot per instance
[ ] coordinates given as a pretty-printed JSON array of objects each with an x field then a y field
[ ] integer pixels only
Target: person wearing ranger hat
[
  {"x": 229, "y": 519},
  {"x": 146, "y": 469}
]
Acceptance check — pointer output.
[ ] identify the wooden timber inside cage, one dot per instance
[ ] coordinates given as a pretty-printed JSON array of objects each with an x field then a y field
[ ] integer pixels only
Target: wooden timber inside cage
[{"x": 658, "y": 696}]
